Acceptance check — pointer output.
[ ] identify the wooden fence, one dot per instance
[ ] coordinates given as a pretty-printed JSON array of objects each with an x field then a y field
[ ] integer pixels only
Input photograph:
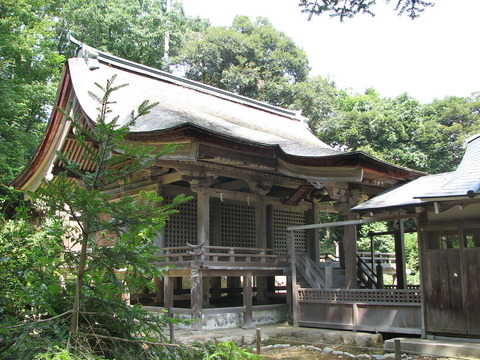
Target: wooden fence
[{"x": 396, "y": 311}]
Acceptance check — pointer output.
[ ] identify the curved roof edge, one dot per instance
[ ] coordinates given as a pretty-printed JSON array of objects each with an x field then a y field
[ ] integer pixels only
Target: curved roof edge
[{"x": 91, "y": 55}]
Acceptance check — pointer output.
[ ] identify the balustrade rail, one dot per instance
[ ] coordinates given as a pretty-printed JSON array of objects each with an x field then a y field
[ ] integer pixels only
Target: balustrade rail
[
  {"x": 225, "y": 254},
  {"x": 386, "y": 259},
  {"x": 397, "y": 311},
  {"x": 361, "y": 295}
]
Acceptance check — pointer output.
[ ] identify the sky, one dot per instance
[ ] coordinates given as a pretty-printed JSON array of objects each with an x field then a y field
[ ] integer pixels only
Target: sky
[{"x": 431, "y": 57}]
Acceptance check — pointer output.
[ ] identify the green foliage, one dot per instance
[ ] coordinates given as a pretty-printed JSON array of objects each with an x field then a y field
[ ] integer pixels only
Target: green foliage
[
  {"x": 29, "y": 69},
  {"x": 351, "y": 8},
  {"x": 318, "y": 99},
  {"x": 403, "y": 131},
  {"x": 248, "y": 58},
  {"x": 134, "y": 30},
  {"x": 113, "y": 253}
]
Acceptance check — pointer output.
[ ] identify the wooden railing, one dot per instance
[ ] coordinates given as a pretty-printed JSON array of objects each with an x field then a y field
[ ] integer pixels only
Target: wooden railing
[
  {"x": 386, "y": 259},
  {"x": 361, "y": 295},
  {"x": 396, "y": 311},
  {"x": 310, "y": 272},
  {"x": 225, "y": 254}
]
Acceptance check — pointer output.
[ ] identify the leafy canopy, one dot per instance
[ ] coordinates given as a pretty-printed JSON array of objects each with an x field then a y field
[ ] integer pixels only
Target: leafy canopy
[
  {"x": 350, "y": 8},
  {"x": 67, "y": 282},
  {"x": 249, "y": 58}
]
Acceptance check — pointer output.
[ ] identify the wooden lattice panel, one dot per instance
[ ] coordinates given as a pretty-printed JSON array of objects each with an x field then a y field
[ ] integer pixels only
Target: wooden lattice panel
[
  {"x": 238, "y": 225},
  {"x": 182, "y": 227},
  {"x": 283, "y": 219},
  {"x": 361, "y": 296}
]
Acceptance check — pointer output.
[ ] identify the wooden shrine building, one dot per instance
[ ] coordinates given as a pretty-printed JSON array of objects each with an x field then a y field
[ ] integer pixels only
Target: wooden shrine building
[
  {"x": 447, "y": 209},
  {"x": 254, "y": 170}
]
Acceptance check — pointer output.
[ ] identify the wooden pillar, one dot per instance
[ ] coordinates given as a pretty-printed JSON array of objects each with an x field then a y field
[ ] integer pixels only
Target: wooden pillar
[
  {"x": 203, "y": 216},
  {"x": 205, "y": 290},
  {"x": 312, "y": 236},
  {"x": 261, "y": 226},
  {"x": 262, "y": 289},
  {"x": 270, "y": 242},
  {"x": 293, "y": 296},
  {"x": 159, "y": 290},
  {"x": 196, "y": 298},
  {"x": 216, "y": 286},
  {"x": 233, "y": 282},
  {"x": 216, "y": 240},
  {"x": 248, "y": 301},
  {"x": 400, "y": 255},
  {"x": 168, "y": 293},
  {"x": 350, "y": 253}
]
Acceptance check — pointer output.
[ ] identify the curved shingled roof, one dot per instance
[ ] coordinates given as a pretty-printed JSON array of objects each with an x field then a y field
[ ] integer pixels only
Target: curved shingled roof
[
  {"x": 222, "y": 116},
  {"x": 182, "y": 103}
]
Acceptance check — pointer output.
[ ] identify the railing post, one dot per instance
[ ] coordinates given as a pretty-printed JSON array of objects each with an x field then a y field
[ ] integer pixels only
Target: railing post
[
  {"x": 379, "y": 271},
  {"x": 328, "y": 273}
]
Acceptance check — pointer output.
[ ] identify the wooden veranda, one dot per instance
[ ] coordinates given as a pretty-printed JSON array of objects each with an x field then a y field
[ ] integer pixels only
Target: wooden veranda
[{"x": 394, "y": 310}]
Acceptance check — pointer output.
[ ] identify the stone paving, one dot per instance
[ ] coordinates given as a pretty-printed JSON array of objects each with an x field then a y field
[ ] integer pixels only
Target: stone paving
[{"x": 308, "y": 335}]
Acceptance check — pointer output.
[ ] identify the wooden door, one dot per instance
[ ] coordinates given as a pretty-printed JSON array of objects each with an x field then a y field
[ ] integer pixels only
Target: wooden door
[
  {"x": 471, "y": 256},
  {"x": 452, "y": 281}
]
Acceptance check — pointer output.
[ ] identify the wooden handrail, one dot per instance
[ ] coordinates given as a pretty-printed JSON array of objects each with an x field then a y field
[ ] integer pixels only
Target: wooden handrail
[{"x": 223, "y": 254}]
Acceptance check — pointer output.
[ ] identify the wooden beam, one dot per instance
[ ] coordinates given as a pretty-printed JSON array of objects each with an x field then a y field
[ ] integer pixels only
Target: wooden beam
[
  {"x": 299, "y": 195},
  {"x": 235, "y": 172},
  {"x": 232, "y": 185},
  {"x": 171, "y": 178}
]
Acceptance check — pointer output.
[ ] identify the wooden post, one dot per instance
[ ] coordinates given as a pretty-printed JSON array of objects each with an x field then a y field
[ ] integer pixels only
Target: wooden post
[
  {"x": 350, "y": 250},
  {"x": 261, "y": 226},
  {"x": 379, "y": 271},
  {"x": 159, "y": 290},
  {"x": 205, "y": 290},
  {"x": 328, "y": 273},
  {"x": 293, "y": 277},
  {"x": 196, "y": 298},
  {"x": 248, "y": 301},
  {"x": 259, "y": 341},
  {"x": 168, "y": 294},
  {"x": 270, "y": 243},
  {"x": 400, "y": 256},
  {"x": 312, "y": 236},
  {"x": 216, "y": 225},
  {"x": 203, "y": 217},
  {"x": 216, "y": 286},
  {"x": 398, "y": 349}
]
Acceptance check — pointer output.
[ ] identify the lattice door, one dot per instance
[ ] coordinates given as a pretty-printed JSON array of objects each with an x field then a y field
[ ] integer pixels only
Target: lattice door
[
  {"x": 182, "y": 227},
  {"x": 281, "y": 220},
  {"x": 238, "y": 225}
]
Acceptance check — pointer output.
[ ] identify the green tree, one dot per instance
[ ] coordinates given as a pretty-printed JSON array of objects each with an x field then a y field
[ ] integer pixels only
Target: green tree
[
  {"x": 446, "y": 124},
  {"x": 29, "y": 69},
  {"x": 351, "y": 8},
  {"x": 382, "y": 127},
  {"x": 318, "y": 99},
  {"x": 248, "y": 58},
  {"x": 141, "y": 31},
  {"x": 115, "y": 256}
]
